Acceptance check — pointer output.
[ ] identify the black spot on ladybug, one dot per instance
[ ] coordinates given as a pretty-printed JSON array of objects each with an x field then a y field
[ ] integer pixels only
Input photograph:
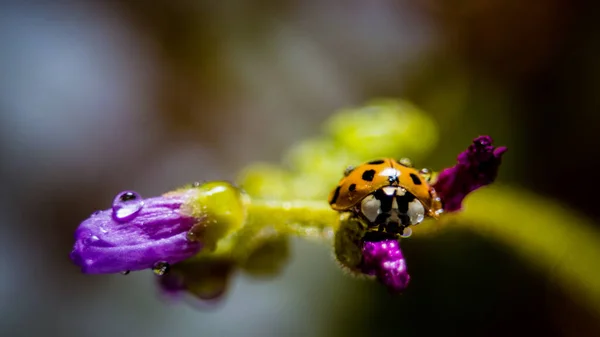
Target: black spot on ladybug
[
  {"x": 336, "y": 194},
  {"x": 352, "y": 187},
  {"x": 368, "y": 175},
  {"x": 415, "y": 179},
  {"x": 376, "y": 162}
]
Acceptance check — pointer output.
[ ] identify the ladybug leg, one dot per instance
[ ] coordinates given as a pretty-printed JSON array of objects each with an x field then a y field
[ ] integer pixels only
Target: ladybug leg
[{"x": 348, "y": 242}]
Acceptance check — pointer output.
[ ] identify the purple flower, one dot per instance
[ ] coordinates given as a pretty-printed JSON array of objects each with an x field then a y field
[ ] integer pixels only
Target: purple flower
[
  {"x": 476, "y": 167},
  {"x": 383, "y": 259},
  {"x": 135, "y": 234}
]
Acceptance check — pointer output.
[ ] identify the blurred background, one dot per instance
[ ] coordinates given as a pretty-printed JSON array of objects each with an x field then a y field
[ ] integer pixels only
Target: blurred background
[{"x": 98, "y": 97}]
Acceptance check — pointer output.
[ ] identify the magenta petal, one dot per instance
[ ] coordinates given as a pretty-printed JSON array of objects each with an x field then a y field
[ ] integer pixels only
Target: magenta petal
[
  {"x": 476, "y": 167},
  {"x": 136, "y": 239},
  {"x": 384, "y": 260}
]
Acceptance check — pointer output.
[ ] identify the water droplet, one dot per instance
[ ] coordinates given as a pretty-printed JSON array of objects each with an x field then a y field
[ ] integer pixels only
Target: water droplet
[
  {"x": 196, "y": 184},
  {"x": 126, "y": 272},
  {"x": 426, "y": 174},
  {"x": 406, "y": 162},
  {"x": 348, "y": 170},
  {"x": 95, "y": 213},
  {"x": 161, "y": 268},
  {"x": 126, "y": 206},
  {"x": 406, "y": 233}
]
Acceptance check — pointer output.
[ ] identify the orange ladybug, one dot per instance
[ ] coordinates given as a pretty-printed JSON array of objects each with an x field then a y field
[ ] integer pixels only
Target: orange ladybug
[{"x": 388, "y": 194}]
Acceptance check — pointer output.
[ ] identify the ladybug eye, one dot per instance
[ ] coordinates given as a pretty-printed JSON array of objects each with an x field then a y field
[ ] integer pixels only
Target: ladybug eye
[{"x": 416, "y": 212}]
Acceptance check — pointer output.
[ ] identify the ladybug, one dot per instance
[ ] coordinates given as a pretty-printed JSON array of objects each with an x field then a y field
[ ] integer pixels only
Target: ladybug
[{"x": 388, "y": 195}]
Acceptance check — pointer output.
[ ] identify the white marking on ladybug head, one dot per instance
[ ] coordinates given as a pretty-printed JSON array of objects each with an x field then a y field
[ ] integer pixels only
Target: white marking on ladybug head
[{"x": 389, "y": 191}]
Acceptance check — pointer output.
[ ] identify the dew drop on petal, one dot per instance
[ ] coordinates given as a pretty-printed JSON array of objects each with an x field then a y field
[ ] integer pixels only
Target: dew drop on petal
[
  {"x": 126, "y": 272},
  {"x": 126, "y": 206},
  {"x": 161, "y": 268}
]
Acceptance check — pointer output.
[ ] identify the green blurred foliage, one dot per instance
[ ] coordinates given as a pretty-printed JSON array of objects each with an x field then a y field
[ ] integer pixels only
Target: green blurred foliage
[{"x": 311, "y": 168}]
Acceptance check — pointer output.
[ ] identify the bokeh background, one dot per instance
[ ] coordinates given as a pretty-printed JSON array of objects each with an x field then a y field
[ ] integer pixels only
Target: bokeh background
[{"x": 98, "y": 97}]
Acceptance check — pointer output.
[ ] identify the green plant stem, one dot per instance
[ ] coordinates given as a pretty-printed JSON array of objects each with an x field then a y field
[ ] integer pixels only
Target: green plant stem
[
  {"x": 309, "y": 219},
  {"x": 562, "y": 243}
]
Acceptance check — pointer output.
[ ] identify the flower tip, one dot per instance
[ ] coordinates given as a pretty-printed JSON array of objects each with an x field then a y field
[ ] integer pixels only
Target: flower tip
[
  {"x": 477, "y": 166},
  {"x": 499, "y": 151},
  {"x": 134, "y": 234},
  {"x": 396, "y": 281},
  {"x": 384, "y": 259}
]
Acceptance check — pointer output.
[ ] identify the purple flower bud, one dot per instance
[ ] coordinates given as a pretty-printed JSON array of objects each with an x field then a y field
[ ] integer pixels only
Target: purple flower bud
[
  {"x": 134, "y": 234},
  {"x": 476, "y": 167},
  {"x": 383, "y": 259}
]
